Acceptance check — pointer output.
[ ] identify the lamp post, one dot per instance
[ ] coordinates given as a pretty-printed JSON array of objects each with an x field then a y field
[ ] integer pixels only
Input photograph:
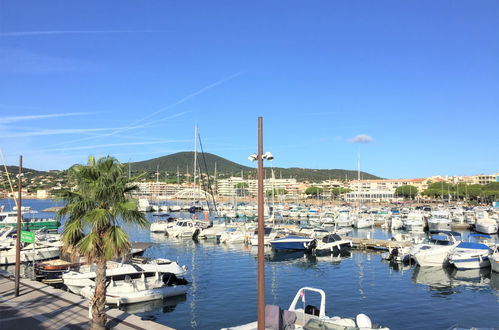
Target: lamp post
[{"x": 261, "y": 266}]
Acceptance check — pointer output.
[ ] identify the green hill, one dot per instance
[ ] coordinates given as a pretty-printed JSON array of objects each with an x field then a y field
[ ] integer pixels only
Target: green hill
[{"x": 185, "y": 160}]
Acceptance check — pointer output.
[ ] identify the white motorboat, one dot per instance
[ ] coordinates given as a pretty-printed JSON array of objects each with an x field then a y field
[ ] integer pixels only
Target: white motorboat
[
  {"x": 128, "y": 291},
  {"x": 363, "y": 222},
  {"x": 484, "y": 224},
  {"x": 494, "y": 259},
  {"x": 212, "y": 232},
  {"x": 439, "y": 220},
  {"x": 332, "y": 243},
  {"x": 269, "y": 235},
  {"x": 469, "y": 217},
  {"x": 186, "y": 228},
  {"x": 28, "y": 254},
  {"x": 43, "y": 249},
  {"x": 470, "y": 255},
  {"x": 396, "y": 222},
  {"x": 435, "y": 254},
  {"x": 234, "y": 235},
  {"x": 76, "y": 280},
  {"x": 414, "y": 221},
  {"x": 143, "y": 205},
  {"x": 308, "y": 317},
  {"x": 343, "y": 219},
  {"x": 162, "y": 226}
]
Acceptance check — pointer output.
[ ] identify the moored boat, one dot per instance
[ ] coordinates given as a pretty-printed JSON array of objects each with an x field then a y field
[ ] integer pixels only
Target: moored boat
[
  {"x": 470, "y": 255},
  {"x": 291, "y": 242},
  {"x": 308, "y": 317}
]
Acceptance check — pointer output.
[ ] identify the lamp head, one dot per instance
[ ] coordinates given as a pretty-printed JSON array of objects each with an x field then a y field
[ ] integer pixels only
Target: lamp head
[
  {"x": 253, "y": 157},
  {"x": 268, "y": 156}
]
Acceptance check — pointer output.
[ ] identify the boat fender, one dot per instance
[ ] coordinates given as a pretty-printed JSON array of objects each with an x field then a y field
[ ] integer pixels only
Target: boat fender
[{"x": 363, "y": 321}]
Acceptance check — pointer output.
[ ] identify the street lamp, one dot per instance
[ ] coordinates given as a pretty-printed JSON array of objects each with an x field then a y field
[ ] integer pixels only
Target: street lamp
[{"x": 260, "y": 156}]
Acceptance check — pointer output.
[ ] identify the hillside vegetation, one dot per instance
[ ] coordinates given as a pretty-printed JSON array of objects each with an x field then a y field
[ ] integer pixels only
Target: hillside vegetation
[
  {"x": 184, "y": 161},
  {"x": 225, "y": 168}
]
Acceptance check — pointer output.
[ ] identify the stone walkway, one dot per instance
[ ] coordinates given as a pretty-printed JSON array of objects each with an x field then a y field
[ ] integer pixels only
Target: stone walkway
[{"x": 40, "y": 306}]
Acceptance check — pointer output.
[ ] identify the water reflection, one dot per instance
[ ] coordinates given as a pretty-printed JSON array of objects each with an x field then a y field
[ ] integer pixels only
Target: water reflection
[
  {"x": 334, "y": 258},
  {"x": 471, "y": 277},
  {"x": 447, "y": 280},
  {"x": 494, "y": 280},
  {"x": 399, "y": 266},
  {"x": 158, "y": 306}
]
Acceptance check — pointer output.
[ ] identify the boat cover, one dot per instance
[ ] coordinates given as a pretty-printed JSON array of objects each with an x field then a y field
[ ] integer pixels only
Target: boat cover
[
  {"x": 331, "y": 238},
  {"x": 472, "y": 245}
]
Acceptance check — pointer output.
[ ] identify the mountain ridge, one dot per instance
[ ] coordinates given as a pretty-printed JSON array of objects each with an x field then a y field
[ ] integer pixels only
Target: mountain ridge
[{"x": 185, "y": 160}]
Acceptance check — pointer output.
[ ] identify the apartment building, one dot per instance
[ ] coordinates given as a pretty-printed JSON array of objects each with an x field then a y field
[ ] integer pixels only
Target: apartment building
[
  {"x": 228, "y": 187},
  {"x": 159, "y": 188},
  {"x": 381, "y": 190}
]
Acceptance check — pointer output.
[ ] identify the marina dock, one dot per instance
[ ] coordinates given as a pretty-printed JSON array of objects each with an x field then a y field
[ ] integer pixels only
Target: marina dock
[
  {"x": 378, "y": 244},
  {"x": 40, "y": 306}
]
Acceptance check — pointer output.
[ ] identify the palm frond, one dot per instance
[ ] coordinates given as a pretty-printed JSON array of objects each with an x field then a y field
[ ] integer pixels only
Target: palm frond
[
  {"x": 115, "y": 242},
  {"x": 90, "y": 246}
]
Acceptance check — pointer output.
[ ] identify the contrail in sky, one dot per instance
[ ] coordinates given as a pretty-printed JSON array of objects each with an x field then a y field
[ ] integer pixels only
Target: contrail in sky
[
  {"x": 114, "y": 145},
  {"x": 55, "y": 132},
  {"x": 48, "y": 33},
  {"x": 4, "y": 120},
  {"x": 182, "y": 100}
]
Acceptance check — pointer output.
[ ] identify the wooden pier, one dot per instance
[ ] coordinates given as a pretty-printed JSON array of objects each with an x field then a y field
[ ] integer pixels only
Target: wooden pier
[{"x": 377, "y": 244}]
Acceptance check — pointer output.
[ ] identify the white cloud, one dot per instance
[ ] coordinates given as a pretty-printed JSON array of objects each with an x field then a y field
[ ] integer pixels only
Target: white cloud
[{"x": 361, "y": 138}]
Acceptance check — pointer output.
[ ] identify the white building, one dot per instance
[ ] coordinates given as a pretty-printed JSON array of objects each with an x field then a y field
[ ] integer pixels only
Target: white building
[
  {"x": 229, "y": 187},
  {"x": 381, "y": 190}
]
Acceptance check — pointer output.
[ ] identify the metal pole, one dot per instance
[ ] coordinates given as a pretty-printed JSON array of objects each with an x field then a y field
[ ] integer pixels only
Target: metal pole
[
  {"x": 18, "y": 240},
  {"x": 261, "y": 266}
]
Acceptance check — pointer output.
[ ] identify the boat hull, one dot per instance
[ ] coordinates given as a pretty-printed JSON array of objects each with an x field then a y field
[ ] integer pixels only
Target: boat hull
[
  {"x": 494, "y": 262},
  {"x": 435, "y": 226},
  {"x": 297, "y": 243},
  {"x": 433, "y": 256},
  {"x": 486, "y": 228},
  {"x": 470, "y": 263},
  {"x": 9, "y": 257},
  {"x": 137, "y": 296}
]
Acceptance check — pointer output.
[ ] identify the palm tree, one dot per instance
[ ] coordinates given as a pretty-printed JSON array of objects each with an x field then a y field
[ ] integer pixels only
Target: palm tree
[{"x": 94, "y": 209}]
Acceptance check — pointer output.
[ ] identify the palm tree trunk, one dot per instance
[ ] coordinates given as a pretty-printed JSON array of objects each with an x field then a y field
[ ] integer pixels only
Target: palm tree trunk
[{"x": 99, "y": 300}]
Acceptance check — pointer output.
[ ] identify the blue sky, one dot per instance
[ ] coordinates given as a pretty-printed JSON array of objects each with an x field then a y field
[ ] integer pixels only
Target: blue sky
[{"x": 420, "y": 79}]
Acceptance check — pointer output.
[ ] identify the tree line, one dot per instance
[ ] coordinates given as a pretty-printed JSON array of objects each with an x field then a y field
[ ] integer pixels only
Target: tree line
[{"x": 460, "y": 191}]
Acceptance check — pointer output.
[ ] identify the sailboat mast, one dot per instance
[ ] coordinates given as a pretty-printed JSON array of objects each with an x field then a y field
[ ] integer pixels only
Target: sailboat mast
[
  {"x": 215, "y": 179},
  {"x": 195, "y": 154},
  {"x": 358, "y": 178}
]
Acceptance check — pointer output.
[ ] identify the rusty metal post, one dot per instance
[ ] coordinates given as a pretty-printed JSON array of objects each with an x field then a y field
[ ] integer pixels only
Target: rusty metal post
[
  {"x": 18, "y": 240},
  {"x": 261, "y": 265}
]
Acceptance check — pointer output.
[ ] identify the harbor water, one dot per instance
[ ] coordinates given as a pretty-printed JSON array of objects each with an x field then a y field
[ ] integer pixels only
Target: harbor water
[{"x": 223, "y": 293}]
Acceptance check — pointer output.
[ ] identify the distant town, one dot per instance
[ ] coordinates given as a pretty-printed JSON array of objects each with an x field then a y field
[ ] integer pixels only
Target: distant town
[{"x": 479, "y": 188}]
